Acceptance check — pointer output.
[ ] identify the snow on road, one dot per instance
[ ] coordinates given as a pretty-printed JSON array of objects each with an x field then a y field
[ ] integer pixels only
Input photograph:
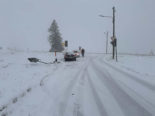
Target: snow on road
[{"x": 91, "y": 86}]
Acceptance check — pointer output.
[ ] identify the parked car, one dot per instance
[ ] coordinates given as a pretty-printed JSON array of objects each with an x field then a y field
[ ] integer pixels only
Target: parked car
[
  {"x": 76, "y": 53},
  {"x": 69, "y": 56}
]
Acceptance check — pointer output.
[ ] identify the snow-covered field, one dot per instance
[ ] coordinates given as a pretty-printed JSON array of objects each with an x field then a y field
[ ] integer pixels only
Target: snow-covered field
[{"x": 92, "y": 86}]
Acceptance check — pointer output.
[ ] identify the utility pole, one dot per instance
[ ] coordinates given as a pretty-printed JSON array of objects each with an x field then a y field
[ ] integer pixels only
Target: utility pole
[
  {"x": 114, "y": 36},
  {"x": 113, "y": 52},
  {"x": 116, "y": 50},
  {"x": 106, "y": 41},
  {"x": 114, "y": 40}
]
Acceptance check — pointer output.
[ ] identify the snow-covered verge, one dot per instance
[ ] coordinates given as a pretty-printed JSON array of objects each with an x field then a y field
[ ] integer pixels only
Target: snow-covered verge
[
  {"x": 142, "y": 65},
  {"x": 18, "y": 76}
]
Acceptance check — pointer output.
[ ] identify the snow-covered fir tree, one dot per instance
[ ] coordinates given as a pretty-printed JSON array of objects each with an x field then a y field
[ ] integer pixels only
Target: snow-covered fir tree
[{"x": 55, "y": 38}]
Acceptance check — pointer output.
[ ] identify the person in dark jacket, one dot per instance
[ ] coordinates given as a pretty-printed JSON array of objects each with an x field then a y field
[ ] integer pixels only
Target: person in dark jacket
[{"x": 82, "y": 52}]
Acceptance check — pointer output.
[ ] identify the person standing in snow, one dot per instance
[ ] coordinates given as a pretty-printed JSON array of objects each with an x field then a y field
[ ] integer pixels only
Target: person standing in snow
[{"x": 82, "y": 52}]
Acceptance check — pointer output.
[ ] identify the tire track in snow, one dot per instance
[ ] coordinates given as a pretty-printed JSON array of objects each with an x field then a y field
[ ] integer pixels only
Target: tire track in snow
[
  {"x": 128, "y": 105},
  {"x": 13, "y": 101},
  {"x": 63, "y": 105},
  {"x": 67, "y": 94},
  {"x": 47, "y": 77},
  {"x": 97, "y": 99},
  {"x": 4, "y": 109},
  {"x": 146, "y": 97},
  {"x": 148, "y": 85},
  {"x": 144, "y": 102},
  {"x": 78, "y": 95}
]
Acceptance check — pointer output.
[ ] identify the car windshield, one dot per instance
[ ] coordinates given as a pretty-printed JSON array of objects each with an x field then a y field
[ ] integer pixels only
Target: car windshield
[
  {"x": 69, "y": 53},
  {"x": 76, "y": 52}
]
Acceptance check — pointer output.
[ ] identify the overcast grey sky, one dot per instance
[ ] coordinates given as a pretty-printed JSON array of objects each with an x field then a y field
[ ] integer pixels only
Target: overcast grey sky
[{"x": 24, "y": 23}]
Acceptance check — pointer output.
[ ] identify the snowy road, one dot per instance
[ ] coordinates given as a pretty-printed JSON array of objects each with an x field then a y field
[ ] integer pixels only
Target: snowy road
[{"x": 88, "y": 87}]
